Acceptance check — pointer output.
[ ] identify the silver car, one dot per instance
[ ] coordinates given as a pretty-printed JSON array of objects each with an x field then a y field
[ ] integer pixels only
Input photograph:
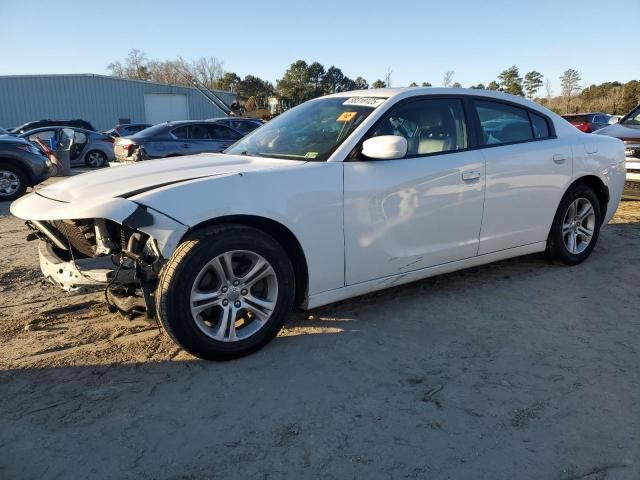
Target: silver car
[{"x": 91, "y": 149}]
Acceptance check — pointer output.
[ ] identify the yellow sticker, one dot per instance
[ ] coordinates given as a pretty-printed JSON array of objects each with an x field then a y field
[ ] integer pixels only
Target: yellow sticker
[
  {"x": 311, "y": 155},
  {"x": 346, "y": 117}
]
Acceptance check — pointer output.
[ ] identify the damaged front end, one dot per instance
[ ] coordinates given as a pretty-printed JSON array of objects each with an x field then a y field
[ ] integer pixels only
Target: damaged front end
[{"x": 123, "y": 258}]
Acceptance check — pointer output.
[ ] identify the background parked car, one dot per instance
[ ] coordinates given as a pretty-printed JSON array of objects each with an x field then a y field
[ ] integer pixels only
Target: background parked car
[
  {"x": 628, "y": 130},
  {"x": 588, "y": 122},
  {"x": 53, "y": 123},
  {"x": 22, "y": 165},
  {"x": 174, "y": 139},
  {"x": 126, "y": 129},
  {"x": 93, "y": 149},
  {"x": 244, "y": 125}
]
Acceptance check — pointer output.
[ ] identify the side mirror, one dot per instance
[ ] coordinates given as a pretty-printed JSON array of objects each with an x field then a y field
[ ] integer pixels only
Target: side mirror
[{"x": 385, "y": 147}]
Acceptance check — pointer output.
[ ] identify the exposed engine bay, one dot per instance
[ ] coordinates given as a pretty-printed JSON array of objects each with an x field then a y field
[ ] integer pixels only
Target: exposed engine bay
[{"x": 86, "y": 255}]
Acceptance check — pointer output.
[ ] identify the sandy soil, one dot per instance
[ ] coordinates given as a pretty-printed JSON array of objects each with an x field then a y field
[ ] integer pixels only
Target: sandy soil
[{"x": 520, "y": 369}]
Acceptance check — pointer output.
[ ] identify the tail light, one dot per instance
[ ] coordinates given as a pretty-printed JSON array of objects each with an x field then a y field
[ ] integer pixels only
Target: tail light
[
  {"x": 583, "y": 127},
  {"x": 126, "y": 146}
]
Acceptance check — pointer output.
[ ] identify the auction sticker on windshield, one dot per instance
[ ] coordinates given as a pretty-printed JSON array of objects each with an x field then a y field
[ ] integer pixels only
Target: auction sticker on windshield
[
  {"x": 346, "y": 116},
  {"x": 372, "y": 102}
]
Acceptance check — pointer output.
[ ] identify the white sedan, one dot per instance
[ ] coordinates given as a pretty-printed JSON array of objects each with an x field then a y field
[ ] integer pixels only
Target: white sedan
[{"x": 340, "y": 196}]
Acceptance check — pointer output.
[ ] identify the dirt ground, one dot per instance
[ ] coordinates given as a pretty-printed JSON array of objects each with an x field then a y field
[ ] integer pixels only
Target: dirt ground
[{"x": 516, "y": 370}]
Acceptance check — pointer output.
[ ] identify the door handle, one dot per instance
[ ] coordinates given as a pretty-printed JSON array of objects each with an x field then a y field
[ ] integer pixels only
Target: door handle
[
  {"x": 185, "y": 145},
  {"x": 469, "y": 176},
  {"x": 559, "y": 158}
]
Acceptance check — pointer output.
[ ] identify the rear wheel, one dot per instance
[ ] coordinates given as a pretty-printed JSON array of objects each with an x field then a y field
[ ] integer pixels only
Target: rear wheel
[
  {"x": 13, "y": 182},
  {"x": 225, "y": 292},
  {"x": 95, "y": 159},
  {"x": 576, "y": 226}
]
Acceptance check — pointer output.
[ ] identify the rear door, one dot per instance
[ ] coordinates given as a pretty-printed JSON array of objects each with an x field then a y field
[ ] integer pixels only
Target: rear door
[{"x": 527, "y": 169}]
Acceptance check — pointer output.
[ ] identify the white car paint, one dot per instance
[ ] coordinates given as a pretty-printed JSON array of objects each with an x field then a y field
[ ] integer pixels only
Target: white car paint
[{"x": 362, "y": 225}]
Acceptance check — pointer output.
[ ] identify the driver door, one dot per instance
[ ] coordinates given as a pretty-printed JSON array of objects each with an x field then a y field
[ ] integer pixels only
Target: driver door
[{"x": 421, "y": 210}]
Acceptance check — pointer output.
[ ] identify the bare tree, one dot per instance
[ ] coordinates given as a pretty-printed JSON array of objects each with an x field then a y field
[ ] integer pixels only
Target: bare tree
[
  {"x": 447, "y": 79},
  {"x": 387, "y": 77},
  {"x": 570, "y": 84},
  {"x": 549, "y": 89},
  {"x": 208, "y": 70},
  {"x": 134, "y": 67}
]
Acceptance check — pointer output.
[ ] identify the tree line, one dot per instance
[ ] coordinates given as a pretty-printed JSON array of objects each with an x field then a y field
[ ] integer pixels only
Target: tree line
[{"x": 303, "y": 81}]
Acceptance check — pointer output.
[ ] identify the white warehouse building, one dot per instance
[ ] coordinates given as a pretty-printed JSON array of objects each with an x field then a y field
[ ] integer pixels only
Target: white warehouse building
[{"x": 102, "y": 100}]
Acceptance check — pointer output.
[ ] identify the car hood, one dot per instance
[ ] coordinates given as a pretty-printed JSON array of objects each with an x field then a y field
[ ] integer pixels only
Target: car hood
[
  {"x": 623, "y": 132},
  {"x": 129, "y": 180},
  {"x": 9, "y": 138}
]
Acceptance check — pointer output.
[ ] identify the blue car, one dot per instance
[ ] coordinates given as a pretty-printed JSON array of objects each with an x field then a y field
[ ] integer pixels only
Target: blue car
[{"x": 173, "y": 139}]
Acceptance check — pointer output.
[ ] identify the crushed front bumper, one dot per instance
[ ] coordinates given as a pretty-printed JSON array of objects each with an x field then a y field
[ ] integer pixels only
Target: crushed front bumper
[{"x": 83, "y": 275}]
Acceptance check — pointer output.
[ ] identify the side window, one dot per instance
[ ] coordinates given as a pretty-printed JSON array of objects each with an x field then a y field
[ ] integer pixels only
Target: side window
[
  {"x": 540, "y": 126},
  {"x": 503, "y": 123},
  {"x": 45, "y": 135},
  {"x": 200, "y": 132},
  {"x": 430, "y": 126},
  {"x": 181, "y": 132},
  {"x": 79, "y": 137},
  {"x": 220, "y": 132}
]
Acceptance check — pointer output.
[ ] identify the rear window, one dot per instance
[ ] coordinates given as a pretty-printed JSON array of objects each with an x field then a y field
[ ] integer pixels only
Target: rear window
[
  {"x": 180, "y": 132},
  {"x": 540, "y": 126},
  {"x": 503, "y": 123},
  {"x": 158, "y": 129}
]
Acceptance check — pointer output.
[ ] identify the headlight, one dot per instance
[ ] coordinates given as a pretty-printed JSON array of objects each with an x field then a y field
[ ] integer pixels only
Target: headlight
[{"x": 30, "y": 149}]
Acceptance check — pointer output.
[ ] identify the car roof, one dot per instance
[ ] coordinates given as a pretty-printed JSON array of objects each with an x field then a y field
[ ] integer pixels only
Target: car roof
[
  {"x": 49, "y": 127},
  {"x": 409, "y": 92}
]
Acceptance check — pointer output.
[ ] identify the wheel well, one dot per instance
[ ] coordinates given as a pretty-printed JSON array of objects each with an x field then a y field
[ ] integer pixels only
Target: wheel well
[
  {"x": 600, "y": 189},
  {"x": 19, "y": 166},
  {"x": 282, "y": 235}
]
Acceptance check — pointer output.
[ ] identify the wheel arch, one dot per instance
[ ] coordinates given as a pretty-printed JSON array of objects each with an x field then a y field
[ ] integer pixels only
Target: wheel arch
[
  {"x": 95, "y": 149},
  {"x": 19, "y": 165},
  {"x": 280, "y": 233},
  {"x": 598, "y": 186}
]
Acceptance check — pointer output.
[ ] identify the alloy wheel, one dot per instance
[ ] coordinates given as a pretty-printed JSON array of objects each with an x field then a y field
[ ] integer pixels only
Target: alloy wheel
[
  {"x": 96, "y": 159},
  {"x": 234, "y": 295},
  {"x": 9, "y": 183},
  {"x": 578, "y": 225}
]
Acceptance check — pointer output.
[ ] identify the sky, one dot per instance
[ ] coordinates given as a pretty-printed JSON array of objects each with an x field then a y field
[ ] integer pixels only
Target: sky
[{"x": 417, "y": 40}]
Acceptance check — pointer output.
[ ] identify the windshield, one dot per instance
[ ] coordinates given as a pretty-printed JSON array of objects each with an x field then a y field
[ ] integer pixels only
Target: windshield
[
  {"x": 633, "y": 118},
  {"x": 311, "y": 131}
]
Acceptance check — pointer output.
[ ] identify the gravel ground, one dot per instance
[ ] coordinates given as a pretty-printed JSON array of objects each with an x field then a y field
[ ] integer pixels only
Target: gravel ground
[{"x": 517, "y": 370}]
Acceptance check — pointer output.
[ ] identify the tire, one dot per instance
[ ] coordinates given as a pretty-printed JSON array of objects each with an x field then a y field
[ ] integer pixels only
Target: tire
[
  {"x": 13, "y": 182},
  {"x": 95, "y": 159},
  {"x": 568, "y": 241},
  {"x": 198, "y": 269}
]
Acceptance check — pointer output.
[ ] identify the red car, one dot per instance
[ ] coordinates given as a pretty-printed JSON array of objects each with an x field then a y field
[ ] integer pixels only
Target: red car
[{"x": 588, "y": 122}]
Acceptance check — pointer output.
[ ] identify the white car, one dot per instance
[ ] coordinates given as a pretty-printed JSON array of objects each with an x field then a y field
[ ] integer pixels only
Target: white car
[{"x": 338, "y": 197}]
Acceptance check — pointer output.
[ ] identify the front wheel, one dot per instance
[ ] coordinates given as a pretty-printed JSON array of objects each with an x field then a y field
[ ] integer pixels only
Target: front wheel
[
  {"x": 225, "y": 292},
  {"x": 13, "y": 182},
  {"x": 576, "y": 226}
]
